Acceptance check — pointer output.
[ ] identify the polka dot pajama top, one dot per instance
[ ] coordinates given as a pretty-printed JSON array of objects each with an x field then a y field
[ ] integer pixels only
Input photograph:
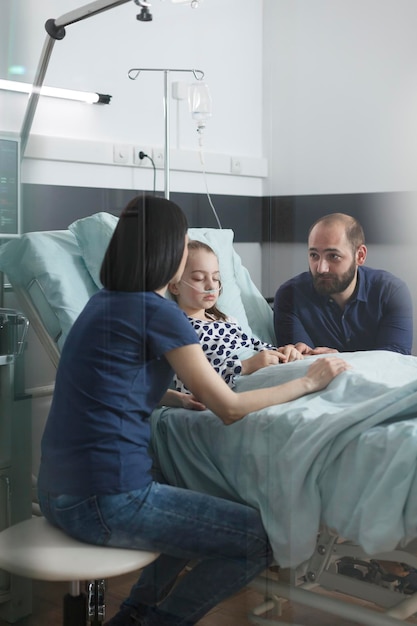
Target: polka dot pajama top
[{"x": 221, "y": 342}]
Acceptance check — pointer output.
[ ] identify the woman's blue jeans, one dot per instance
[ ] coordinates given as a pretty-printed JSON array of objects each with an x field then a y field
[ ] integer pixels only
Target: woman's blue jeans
[{"x": 226, "y": 540}]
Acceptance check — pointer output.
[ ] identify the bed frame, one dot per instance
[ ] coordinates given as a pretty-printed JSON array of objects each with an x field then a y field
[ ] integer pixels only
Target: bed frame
[{"x": 300, "y": 585}]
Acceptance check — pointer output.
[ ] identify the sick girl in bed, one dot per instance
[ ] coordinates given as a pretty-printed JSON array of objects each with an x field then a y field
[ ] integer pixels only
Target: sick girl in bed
[
  {"x": 224, "y": 342},
  {"x": 117, "y": 363}
]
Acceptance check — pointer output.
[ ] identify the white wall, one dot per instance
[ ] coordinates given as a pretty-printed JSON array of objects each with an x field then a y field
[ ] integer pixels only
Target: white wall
[
  {"x": 325, "y": 90},
  {"x": 223, "y": 39},
  {"x": 340, "y": 95}
]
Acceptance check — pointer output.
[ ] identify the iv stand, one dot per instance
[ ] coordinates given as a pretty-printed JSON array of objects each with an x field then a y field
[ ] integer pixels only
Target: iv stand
[
  {"x": 56, "y": 31},
  {"x": 133, "y": 75}
]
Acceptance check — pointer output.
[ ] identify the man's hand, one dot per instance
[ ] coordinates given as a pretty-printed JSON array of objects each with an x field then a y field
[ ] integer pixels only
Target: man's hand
[
  {"x": 290, "y": 352},
  {"x": 307, "y": 351}
]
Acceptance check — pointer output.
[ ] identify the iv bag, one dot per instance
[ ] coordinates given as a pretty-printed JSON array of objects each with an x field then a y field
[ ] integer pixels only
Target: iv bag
[{"x": 199, "y": 100}]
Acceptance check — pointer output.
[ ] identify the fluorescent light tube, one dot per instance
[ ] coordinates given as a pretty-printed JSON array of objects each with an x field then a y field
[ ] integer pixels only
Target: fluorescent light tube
[{"x": 56, "y": 92}]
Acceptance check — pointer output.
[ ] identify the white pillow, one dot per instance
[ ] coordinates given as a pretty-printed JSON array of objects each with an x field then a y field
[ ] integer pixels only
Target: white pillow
[{"x": 93, "y": 234}]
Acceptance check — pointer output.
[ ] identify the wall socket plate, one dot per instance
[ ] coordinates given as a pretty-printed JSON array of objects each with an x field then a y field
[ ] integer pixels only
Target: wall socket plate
[
  {"x": 121, "y": 153},
  {"x": 235, "y": 165},
  {"x": 142, "y": 162},
  {"x": 159, "y": 157}
]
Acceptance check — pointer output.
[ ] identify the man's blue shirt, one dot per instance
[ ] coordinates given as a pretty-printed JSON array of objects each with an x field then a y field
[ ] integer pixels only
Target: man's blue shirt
[{"x": 379, "y": 315}]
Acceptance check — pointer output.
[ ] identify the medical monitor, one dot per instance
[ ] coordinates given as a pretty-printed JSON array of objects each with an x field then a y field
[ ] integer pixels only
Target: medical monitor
[{"x": 10, "y": 192}]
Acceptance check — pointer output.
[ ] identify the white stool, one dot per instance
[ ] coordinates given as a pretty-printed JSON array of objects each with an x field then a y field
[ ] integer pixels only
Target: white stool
[{"x": 36, "y": 549}]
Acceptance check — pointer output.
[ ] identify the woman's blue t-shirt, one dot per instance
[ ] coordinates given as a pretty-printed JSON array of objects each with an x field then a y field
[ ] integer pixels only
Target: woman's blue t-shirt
[{"x": 112, "y": 374}]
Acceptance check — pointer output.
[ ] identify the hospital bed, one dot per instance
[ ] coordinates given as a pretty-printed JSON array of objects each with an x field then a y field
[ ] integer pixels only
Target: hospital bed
[{"x": 333, "y": 474}]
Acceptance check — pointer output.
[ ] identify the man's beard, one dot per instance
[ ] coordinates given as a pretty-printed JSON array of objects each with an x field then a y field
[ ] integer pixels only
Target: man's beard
[{"x": 328, "y": 284}]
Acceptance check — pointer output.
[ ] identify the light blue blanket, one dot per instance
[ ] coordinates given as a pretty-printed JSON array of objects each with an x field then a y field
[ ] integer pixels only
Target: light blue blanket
[{"x": 345, "y": 457}]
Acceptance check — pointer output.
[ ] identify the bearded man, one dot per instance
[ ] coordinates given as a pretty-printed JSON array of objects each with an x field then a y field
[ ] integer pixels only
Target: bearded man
[{"x": 340, "y": 305}]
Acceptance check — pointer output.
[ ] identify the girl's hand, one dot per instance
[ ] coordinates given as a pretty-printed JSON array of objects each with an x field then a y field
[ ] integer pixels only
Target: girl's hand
[
  {"x": 261, "y": 359},
  {"x": 190, "y": 402},
  {"x": 183, "y": 400},
  {"x": 322, "y": 372},
  {"x": 264, "y": 358}
]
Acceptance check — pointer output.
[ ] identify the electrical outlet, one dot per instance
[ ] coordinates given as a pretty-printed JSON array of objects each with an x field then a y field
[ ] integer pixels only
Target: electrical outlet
[
  {"x": 121, "y": 153},
  {"x": 142, "y": 162},
  {"x": 235, "y": 165},
  {"x": 159, "y": 157}
]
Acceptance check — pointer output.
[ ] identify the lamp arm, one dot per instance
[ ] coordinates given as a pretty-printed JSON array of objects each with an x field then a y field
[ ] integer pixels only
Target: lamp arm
[
  {"x": 34, "y": 94},
  {"x": 56, "y": 31},
  {"x": 88, "y": 10}
]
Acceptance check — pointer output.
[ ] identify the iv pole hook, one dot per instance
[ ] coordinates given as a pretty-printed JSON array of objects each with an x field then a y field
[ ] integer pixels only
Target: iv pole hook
[{"x": 133, "y": 75}]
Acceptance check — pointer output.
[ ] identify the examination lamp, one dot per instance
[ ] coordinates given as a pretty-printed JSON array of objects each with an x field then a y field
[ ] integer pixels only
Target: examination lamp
[
  {"x": 145, "y": 15},
  {"x": 55, "y": 29},
  {"x": 56, "y": 92}
]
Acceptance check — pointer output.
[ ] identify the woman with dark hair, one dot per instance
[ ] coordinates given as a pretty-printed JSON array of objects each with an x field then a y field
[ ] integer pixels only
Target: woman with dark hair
[{"x": 95, "y": 480}]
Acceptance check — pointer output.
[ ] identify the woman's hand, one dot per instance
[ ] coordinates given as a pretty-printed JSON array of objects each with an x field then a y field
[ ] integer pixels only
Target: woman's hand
[{"x": 323, "y": 370}]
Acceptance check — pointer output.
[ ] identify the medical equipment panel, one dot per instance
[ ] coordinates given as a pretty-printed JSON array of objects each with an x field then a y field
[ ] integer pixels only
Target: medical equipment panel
[{"x": 15, "y": 454}]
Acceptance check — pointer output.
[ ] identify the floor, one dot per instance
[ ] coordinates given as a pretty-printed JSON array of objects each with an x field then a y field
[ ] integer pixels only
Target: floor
[{"x": 47, "y": 611}]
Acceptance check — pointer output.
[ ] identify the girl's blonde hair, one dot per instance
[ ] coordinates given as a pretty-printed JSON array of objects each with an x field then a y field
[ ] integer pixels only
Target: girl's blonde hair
[{"x": 193, "y": 244}]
